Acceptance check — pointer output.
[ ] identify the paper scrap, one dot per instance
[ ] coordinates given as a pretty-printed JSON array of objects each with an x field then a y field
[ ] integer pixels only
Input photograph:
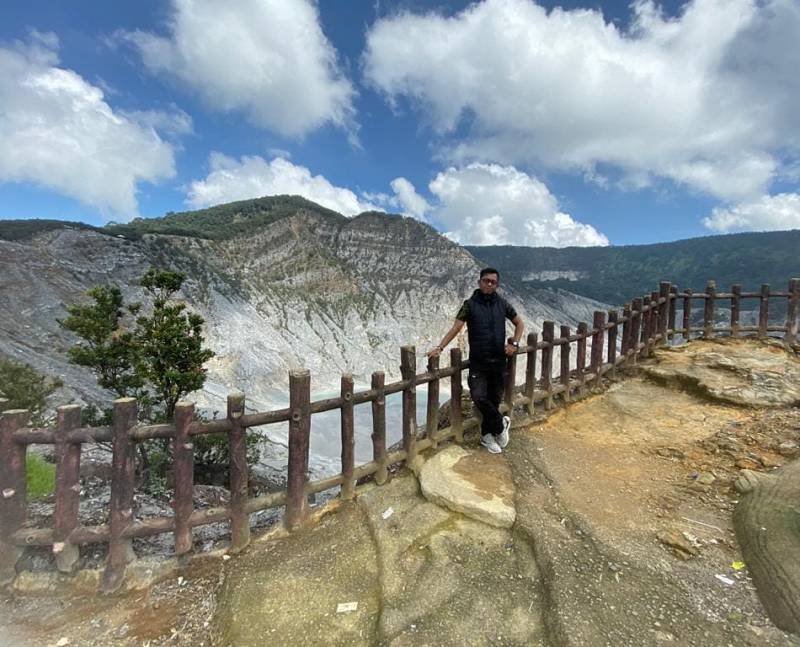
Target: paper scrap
[
  {"x": 346, "y": 607},
  {"x": 388, "y": 513},
  {"x": 725, "y": 580}
]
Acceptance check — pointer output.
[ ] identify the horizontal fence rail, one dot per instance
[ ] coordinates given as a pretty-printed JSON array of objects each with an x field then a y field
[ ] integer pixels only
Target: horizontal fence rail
[{"x": 614, "y": 339}]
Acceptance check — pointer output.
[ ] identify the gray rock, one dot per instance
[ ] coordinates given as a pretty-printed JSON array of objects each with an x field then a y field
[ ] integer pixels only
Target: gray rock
[
  {"x": 477, "y": 484},
  {"x": 741, "y": 372}
]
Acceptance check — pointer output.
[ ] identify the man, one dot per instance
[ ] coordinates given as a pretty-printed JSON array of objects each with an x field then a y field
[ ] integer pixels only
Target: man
[{"x": 485, "y": 314}]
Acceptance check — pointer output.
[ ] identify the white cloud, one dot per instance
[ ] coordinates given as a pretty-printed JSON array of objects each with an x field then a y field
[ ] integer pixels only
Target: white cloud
[
  {"x": 57, "y": 131},
  {"x": 253, "y": 177},
  {"x": 487, "y": 204},
  {"x": 268, "y": 58},
  {"x": 707, "y": 99},
  {"x": 411, "y": 203},
  {"x": 404, "y": 200},
  {"x": 173, "y": 122},
  {"x": 769, "y": 213}
]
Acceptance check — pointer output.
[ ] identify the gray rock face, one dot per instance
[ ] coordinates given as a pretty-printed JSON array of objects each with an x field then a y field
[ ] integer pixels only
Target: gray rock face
[
  {"x": 476, "y": 484},
  {"x": 307, "y": 291},
  {"x": 741, "y": 372}
]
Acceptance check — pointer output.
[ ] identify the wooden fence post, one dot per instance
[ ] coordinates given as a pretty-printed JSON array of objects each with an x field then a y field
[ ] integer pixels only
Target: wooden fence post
[
  {"x": 792, "y": 311},
  {"x": 120, "y": 548},
  {"x": 644, "y": 335},
  {"x": 379, "y": 427},
  {"x": 183, "y": 467},
  {"x": 673, "y": 307},
  {"x": 456, "y": 389},
  {"x": 510, "y": 384},
  {"x": 564, "y": 356},
  {"x": 599, "y": 326},
  {"x": 68, "y": 488},
  {"x": 763, "y": 311},
  {"x": 708, "y": 311},
  {"x": 348, "y": 438},
  {"x": 613, "y": 319},
  {"x": 13, "y": 490},
  {"x": 580, "y": 359},
  {"x": 408, "y": 370},
  {"x": 548, "y": 334},
  {"x": 663, "y": 311},
  {"x": 239, "y": 477},
  {"x": 626, "y": 331},
  {"x": 530, "y": 370},
  {"x": 432, "y": 417},
  {"x": 736, "y": 305},
  {"x": 654, "y": 321},
  {"x": 299, "y": 439},
  {"x": 637, "y": 318},
  {"x": 687, "y": 314}
]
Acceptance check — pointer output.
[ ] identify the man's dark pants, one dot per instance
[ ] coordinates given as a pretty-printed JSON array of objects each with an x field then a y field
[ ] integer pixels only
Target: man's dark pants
[{"x": 486, "y": 382}]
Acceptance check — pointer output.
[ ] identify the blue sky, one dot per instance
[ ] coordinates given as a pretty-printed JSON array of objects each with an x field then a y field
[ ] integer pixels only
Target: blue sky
[{"x": 498, "y": 122}]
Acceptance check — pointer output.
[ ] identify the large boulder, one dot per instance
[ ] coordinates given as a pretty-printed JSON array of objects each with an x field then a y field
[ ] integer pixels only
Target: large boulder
[{"x": 476, "y": 484}]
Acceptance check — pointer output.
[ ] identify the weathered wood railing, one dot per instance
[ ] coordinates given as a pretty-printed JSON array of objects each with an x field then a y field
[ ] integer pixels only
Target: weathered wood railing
[{"x": 645, "y": 323}]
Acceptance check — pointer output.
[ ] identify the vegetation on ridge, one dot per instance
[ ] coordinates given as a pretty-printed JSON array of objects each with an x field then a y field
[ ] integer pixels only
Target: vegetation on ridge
[
  {"x": 223, "y": 221},
  {"x": 14, "y": 230},
  {"x": 615, "y": 275}
]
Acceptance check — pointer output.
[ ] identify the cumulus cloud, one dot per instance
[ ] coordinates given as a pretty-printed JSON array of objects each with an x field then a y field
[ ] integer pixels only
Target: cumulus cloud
[
  {"x": 769, "y": 213},
  {"x": 253, "y": 176},
  {"x": 267, "y": 58},
  {"x": 706, "y": 99},
  {"x": 57, "y": 131},
  {"x": 488, "y": 204},
  {"x": 411, "y": 203}
]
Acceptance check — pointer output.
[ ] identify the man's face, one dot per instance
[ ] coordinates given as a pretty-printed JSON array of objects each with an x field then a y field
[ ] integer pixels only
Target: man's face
[{"x": 488, "y": 283}]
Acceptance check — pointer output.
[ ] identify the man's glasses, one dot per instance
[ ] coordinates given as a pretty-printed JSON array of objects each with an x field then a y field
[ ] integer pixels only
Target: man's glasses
[{"x": 490, "y": 281}]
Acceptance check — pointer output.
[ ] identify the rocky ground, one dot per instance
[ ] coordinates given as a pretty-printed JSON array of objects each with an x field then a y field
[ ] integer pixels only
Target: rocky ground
[{"x": 607, "y": 522}]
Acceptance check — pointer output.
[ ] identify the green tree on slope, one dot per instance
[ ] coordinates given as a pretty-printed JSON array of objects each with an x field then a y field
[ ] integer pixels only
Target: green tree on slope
[
  {"x": 25, "y": 388},
  {"x": 169, "y": 353},
  {"x": 156, "y": 357}
]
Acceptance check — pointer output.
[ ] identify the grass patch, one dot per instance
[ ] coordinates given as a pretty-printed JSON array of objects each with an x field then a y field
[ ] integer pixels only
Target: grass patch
[{"x": 41, "y": 476}]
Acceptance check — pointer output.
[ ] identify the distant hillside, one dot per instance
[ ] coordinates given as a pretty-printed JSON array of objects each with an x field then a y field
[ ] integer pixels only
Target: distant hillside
[{"x": 617, "y": 274}]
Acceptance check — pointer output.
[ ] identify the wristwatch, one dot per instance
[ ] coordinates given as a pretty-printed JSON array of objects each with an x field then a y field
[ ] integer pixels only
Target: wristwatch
[{"x": 515, "y": 344}]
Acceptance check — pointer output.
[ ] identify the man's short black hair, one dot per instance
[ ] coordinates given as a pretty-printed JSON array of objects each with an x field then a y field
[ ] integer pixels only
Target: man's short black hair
[{"x": 489, "y": 270}]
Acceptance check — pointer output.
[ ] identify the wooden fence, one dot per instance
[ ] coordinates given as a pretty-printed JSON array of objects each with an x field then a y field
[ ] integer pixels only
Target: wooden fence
[{"x": 614, "y": 338}]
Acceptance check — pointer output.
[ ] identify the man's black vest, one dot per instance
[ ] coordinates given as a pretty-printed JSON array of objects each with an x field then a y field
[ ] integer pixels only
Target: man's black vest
[{"x": 486, "y": 327}]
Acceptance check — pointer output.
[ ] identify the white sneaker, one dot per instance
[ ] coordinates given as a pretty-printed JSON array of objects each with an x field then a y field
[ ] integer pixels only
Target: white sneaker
[
  {"x": 490, "y": 442},
  {"x": 502, "y": 439}
]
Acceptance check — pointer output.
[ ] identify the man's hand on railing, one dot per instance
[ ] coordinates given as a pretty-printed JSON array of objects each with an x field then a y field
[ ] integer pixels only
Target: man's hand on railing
[{"x": 435, "y": 351}]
